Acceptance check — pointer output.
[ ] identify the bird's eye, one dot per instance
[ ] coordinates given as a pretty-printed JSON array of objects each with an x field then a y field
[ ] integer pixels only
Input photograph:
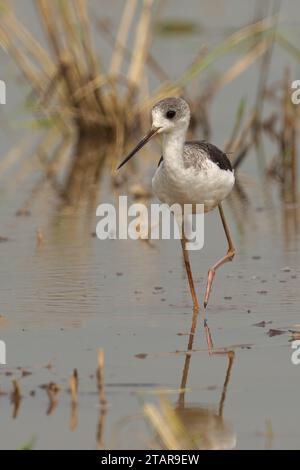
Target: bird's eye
[{"x": 170, "y": 114}]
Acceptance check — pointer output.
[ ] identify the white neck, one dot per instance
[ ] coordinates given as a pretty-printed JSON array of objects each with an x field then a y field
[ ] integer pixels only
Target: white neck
[{"x": 173, "y": 143}]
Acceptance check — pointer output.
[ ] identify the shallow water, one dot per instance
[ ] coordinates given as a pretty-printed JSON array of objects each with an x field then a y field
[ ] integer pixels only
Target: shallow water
[
  {"x": 72, "y": 294},
  {"x": 65, "y": 299}
]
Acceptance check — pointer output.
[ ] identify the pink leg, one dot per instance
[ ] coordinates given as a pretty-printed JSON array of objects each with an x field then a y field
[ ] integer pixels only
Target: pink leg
[
  {"x": 209, "y": 341},
  {"x": 189, "y": 273},
  {"x": 228, "y": 257}
]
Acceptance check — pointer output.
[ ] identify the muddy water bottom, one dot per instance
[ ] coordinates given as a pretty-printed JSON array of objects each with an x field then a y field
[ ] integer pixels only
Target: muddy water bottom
[{"x": 64, "y": 299}]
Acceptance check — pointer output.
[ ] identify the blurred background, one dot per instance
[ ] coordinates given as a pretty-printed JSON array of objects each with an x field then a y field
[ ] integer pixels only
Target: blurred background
[{"x": 81, "y": 77}]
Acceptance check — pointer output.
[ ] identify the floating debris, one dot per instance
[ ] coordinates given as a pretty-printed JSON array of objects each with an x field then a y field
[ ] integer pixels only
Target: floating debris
[
  {"x": 273, "y": 332},
  {"x": 263, "y": 323},
  {"x": 23, "y": 213},
  {"x": 25, "y": 373},
  {"x": 141, "y": 355}
]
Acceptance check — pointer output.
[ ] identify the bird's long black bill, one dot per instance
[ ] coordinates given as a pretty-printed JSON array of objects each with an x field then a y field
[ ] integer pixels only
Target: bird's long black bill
[{"x": 141, "y": 144}]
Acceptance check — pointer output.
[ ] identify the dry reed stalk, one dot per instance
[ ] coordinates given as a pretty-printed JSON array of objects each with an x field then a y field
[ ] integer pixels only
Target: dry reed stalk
[
  {"x": 13, "y": 155},
  {"x": 15, "y": 397},
  {"x": 73, "y": 387},
  {"x": 140, "y": 48},
  {"x": 69, "y": 36},
  {"x": 93, "y": 64},
  {"x": 98, "y": 82},
  {"x": 52, "y": 391},
  {"x": 85, "y": 170},
  {"x": 50, "y": 171},
  {"x": 231, "y": 74},
  {"x": 294, "y": 159},
  {"x": 233, "y": 146},
  {"x": 100, "y": 429},
  {"x": 100, "y": 379},
  {"x": 289, "y": 144},
  {"x": 102, "y": 399},
  {"x": 30, "y": 57},
  {"x": 152, "y": 63},
  {"x": 86, "y": 38},
  {"x": 29, "y": 71},
  {"x": 28, "y": 165},
  {"x": 81, "y": 59},
  {"x": 63, "y": 57},
  {"x": 258, "y": 30},
  {"x": 88, "y": 70},
  {"x": 283, "y": 130},
  {"x": 121, "y": 37},
  {"x": 31, "y": 45},
  {"x": 48, "y": 22},
  {"x": 285, "y": 149},
  {"x": 237, "y": 124},
  {"x": 240, "y": 66},
  {"x": 260, "y": 98}
]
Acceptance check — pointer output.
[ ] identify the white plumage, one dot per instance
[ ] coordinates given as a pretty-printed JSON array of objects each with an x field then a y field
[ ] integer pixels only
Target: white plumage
[{"x": 208, "y": 185}]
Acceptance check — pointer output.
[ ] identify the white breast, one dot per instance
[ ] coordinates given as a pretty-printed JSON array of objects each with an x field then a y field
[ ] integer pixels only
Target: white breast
[{"x": 208, "y": 186}]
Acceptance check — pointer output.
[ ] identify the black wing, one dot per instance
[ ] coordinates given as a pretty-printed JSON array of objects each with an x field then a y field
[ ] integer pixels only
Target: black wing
[{"x": 214, "y": 154}]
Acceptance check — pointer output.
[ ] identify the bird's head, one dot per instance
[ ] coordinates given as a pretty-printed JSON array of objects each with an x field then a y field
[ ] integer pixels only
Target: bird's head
[{"x": 167, "y": 115}]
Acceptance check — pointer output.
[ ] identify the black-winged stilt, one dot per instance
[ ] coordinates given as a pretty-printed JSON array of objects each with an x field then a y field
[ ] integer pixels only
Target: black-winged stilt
[{"x": 193, "y": 172}]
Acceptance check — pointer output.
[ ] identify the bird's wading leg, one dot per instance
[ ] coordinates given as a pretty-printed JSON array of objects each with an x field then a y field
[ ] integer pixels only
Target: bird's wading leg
[
  {"x": 228, "y": 257},
  {"x": 189, "y": 273}
]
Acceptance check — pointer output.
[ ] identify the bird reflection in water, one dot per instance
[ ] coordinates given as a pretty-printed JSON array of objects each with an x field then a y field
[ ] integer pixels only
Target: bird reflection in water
[
  {"x": 206, "y": 426},
  {"x": 200, "y": 426}
]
